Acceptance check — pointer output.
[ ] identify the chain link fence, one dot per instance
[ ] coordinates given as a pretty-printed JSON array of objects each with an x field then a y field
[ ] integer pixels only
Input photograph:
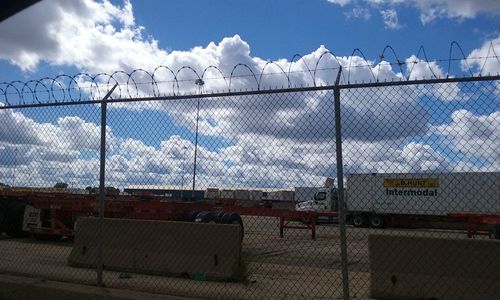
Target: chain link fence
[{"x": 419, "y": 163}]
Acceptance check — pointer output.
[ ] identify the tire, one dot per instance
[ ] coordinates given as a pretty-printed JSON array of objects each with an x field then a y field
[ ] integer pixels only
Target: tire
[
  {"x": 495, "y": 232},
  {"x": 2, "y": 219},
  {"x": 13, "y": 219},
  {"x": 206, "y": 217},
  {"x": 359, "y": 220},
  {"x": 219, "y": 216},
  {"x": 233, "y": 218},
  {"x": 377, "y": 221},
  {"x": 190, "y": 216}
]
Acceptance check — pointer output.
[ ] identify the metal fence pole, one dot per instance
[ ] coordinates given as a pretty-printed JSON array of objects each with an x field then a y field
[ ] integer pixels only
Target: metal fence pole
[
  {"x": 102, "y": 191},
  {"x": 196, "y": 145},
  {"x": 340, "y": 188}
]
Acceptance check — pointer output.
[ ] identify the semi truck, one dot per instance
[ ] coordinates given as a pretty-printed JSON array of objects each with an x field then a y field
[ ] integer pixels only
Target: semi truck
[{"x": 437, "y": 200}]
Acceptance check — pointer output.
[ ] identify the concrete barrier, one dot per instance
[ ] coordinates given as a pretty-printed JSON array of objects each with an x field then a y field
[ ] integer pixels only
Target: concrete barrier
[
  {"x": 202, "y": 250},
  {"x": 405, "y": 267},
  {"x": 18, "y": 287}
]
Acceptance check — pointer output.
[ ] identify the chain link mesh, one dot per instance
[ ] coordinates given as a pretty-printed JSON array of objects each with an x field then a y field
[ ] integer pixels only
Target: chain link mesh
[
  {"x": 416, "y": 159},
  {"x": 446, "y": 135},
  {"x": 51, "y": 152}
]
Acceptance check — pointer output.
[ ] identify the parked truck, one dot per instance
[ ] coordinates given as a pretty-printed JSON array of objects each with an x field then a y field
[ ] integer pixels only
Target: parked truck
[{"x": 437, "y": 200}]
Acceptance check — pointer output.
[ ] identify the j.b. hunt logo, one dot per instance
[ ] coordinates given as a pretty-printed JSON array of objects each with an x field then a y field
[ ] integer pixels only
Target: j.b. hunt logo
[{"x": 426, "y": 187}]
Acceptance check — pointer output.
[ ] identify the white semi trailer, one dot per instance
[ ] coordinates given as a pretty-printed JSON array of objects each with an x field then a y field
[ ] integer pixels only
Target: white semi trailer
[{"x": 411, "y": 199}]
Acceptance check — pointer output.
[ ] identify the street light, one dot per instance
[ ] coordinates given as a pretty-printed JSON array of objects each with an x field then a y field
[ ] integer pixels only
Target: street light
[
  {"x": 16, "y": 161},
  {"x": 182, "y": 169},
  {"x": 199, "y": 82}
]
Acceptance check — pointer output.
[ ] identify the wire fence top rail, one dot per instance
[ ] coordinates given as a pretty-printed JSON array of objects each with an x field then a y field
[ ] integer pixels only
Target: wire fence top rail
[
  {"x": 198, "y": 95},
  {"x": 300, "y": 71}
]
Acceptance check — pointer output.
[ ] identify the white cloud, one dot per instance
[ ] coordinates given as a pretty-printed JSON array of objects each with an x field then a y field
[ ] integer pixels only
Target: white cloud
[
  {"x": 358, "y": 13},
  {"x": 455, "y": 9},
  {"x": 253, "y": 160},
  {"x": 280, "y": 140},
  {"x": 431, "y": 10},
  {"x": 390, "y": 17},
  {"x": 81, "y": 33},
  {"x": 71, "y": 133},
  {"x": 16, "y": 128},
  {"x": 485, "y": 60},
  {"x": 476, "y": 137},
  {"x": 340, "y": 2},
  {"x": 421, "y": 69}
]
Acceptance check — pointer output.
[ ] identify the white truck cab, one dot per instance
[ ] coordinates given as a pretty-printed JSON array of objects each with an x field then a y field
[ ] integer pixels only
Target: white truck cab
[{"x": 325, "y": 199}]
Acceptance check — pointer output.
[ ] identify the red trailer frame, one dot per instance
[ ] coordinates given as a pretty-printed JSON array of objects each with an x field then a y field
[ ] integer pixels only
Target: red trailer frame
[
  {"x": 60, "y": 210},
  {"x": 476, "y": 223}
]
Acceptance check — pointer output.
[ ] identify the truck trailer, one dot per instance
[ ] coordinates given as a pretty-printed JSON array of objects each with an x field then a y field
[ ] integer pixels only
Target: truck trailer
[
  {"x": 414, "y": 200},
  {"x": 52, "y": 213},
  {"x": 47, "y": 213}
]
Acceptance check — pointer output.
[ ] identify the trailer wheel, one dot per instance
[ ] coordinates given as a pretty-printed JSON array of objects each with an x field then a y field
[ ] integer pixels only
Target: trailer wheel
[
  {"x": 206, "y": 217},
  {"x": 190, "y": 216},
  {"x": 359, "y": 221},
  {"x": 13, "y": 222},
  {"x": 377, "y": 221},
  {"x": 220, "y": 215},
  {"x": 2, "y": 218},
  {"x": 495, "y": 232},
  {"x": 233, "y": 218}
]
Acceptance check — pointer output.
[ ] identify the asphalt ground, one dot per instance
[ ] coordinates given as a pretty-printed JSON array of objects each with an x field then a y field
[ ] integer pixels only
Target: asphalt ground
[{"x": 292, "y": 267}]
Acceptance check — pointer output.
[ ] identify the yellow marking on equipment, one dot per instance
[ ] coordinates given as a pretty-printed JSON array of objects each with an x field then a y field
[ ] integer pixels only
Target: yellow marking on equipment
[{"x": 412, "y": 182}]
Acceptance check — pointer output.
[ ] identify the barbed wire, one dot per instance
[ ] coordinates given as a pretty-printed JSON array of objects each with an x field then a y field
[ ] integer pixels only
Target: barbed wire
[{"x": 139, "y": 83}]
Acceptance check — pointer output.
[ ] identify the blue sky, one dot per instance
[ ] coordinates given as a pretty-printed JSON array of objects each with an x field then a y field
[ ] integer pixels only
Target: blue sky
[
  {"x": 280, "y": 29},
  {"x": 252, "y": 141}
]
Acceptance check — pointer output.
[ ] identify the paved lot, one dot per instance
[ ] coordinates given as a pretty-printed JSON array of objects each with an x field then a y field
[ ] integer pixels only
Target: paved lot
[{"x": 293, "y": 267}]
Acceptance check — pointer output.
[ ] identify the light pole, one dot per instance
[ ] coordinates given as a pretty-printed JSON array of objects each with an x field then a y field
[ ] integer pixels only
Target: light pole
[
  {"x": 199, "y": 82},
  {"x": 182, "y": 169},
  {"x": 16, "y": 161}
]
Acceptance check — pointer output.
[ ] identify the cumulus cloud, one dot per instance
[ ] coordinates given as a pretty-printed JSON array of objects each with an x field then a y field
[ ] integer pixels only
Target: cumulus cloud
[
  {"x": 419, "y": 69},
  {"x": 80, "y": 33},
  {"x": 485, "y": 59},
  {"x": 282, "y": 140},
  {"x": 431, "y": 10},
  {"x": 476, "y": 137},
  {"x": 60, "y": 140},
  {"x": 384, "y": 157},
  {"x": 16, "y": 128},
  {"x": 255, "y": 160},
  {"x": 454, "y": 9}
]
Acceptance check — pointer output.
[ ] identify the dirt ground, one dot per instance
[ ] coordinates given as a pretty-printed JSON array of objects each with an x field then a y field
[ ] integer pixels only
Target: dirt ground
[{"x": 292, "y": 267}]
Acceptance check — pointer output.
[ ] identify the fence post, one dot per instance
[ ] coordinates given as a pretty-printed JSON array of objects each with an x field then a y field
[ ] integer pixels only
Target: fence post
[
  {"x": 340, "y": 188},
  {"x": 102, "y": 192}
]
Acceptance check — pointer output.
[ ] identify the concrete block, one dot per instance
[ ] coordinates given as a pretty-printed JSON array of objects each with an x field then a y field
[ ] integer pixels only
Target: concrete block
[
  {"x": 18, "y": 287},
  {"x": 404, "y": 267},
  {"x": 160, "y": 247}
]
